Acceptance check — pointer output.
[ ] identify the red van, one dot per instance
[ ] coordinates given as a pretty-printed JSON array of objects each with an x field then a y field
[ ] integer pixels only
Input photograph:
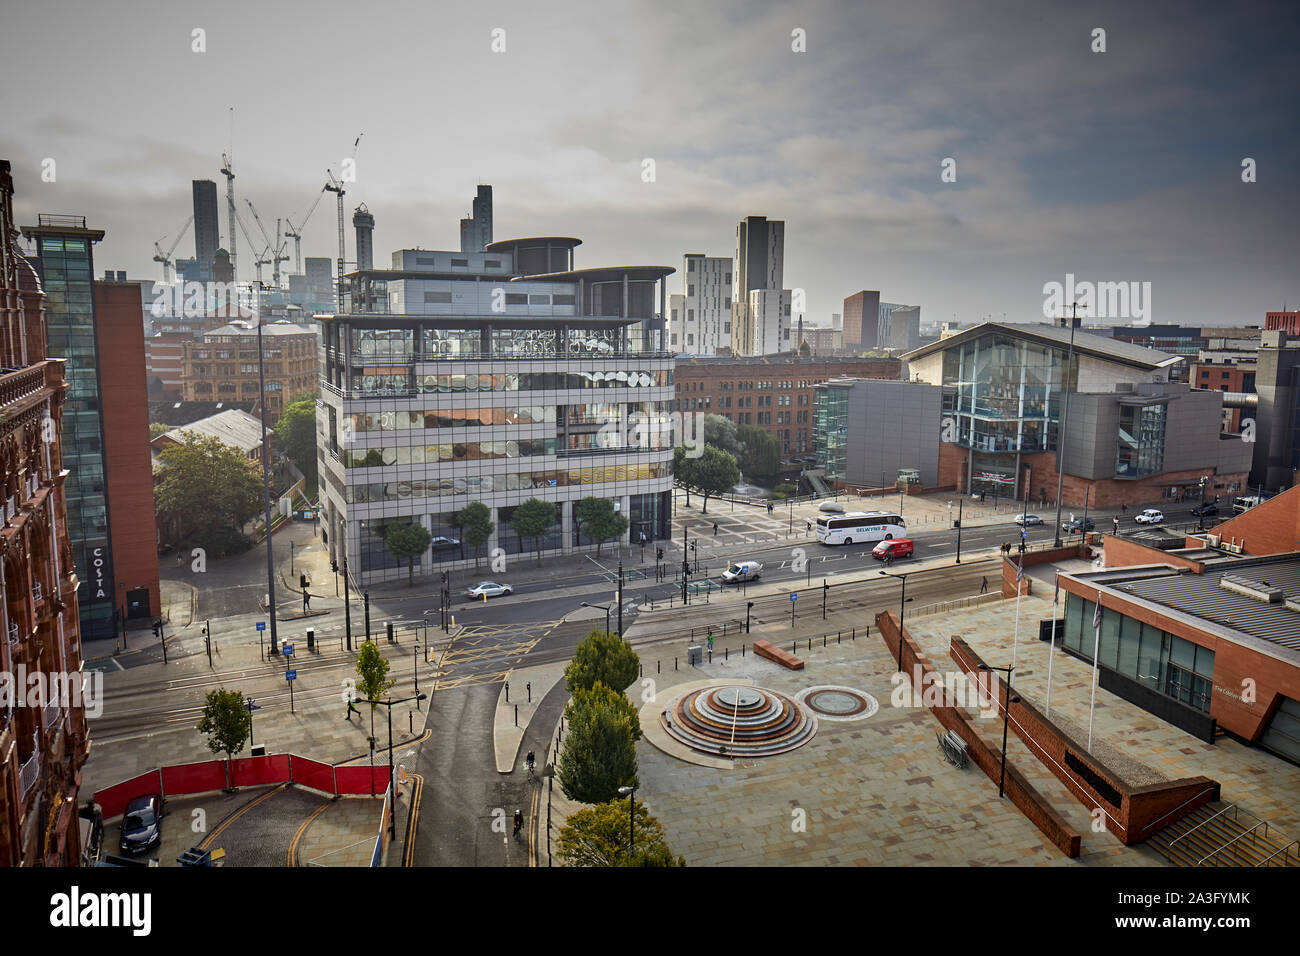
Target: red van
[{"x": 893, "y": 548}]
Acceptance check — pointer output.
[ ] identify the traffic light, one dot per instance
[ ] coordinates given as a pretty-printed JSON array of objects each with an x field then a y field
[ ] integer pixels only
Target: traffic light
[
  {"x": 659, "y": 554},
  {"x": 692, "y": 547},
  {"x": 157, "y": 628}
]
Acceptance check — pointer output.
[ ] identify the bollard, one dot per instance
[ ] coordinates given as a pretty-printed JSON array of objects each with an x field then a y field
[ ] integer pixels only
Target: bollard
[
  {"x": 823, "y": 640},
  {"x": 710, "y": 655},
  {"x": 742, "y": 650},
  {"x": 674, "y": 663},
  {"x": 656, "y": 667},
  {"x": 837, "y": 637},
  {"x": 516, "y": 715},
  {"x": 410, "y": 722},
  {"x": 725, "y": 652},
  {"x": 643, "y": 670}
]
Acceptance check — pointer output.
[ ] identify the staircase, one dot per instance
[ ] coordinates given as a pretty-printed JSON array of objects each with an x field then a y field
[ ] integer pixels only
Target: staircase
[
  {"x": 1219, "y": 834},
  {"x": 818, "y": 484}
]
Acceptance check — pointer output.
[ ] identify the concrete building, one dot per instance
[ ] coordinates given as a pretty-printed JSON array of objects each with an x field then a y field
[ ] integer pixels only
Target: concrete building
[
  {"x": 224, "y": 365},
  {"x": 899, "y": 327},
  {"x": 364, "y": 224},
  {"x": 1276, "y": 462},
  {"x": 700, "y": 323},
  {"x": 207, "y": 227},
  {"x": 775, "y": 393},
  {"x": 868, "y": 431},
  {"x": 43, "y": 739},
  {"x": 1132, "y": 435},
  {"x": 1226, "y": 370},
  {"x": 493, "y": 376},
  {"x": 770, "y": 327},
  {"x": 476, "y": 231},
  {"x": 759, "y": 265},
  {"x": 861, "y": 321}
]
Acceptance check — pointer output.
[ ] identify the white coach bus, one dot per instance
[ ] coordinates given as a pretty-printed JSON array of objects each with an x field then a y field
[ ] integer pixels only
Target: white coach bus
[{"x": 860, "y": 526}]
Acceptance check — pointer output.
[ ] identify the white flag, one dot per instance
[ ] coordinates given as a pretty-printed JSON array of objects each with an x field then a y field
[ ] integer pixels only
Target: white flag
[{"x": 1096, "y": 613}]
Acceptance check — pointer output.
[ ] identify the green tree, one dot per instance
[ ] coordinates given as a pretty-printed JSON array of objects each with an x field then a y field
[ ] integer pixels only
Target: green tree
[
  {"x": 684, "y": 471},
  {"x": 599, "y": 755},
  {"x": 209, "y": 484},
  {"x": 157, "y": 428},
  {"x": 598, "y": 520},
  {"x": 295, "y": 436},
  {"x": 476, "y": 526},
  {"x": 226, "y": 721},
  {"x": 407, "y": 540},
  {"x": 599, "y": 836},
  {"x": 533, "y": 519},
  {"x": 715, "y": 473},
  {"x": 601, "y": 658},
  {"x": 760, "y": 457},
  {"x": 721, "y": 432},
  {"x": 372, "y": 673},
  {"x": 601, "y": 695}
]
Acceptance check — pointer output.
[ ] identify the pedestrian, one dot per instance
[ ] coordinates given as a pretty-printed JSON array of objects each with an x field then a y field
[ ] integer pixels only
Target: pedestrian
[
  {"x": 710, "y": 640},
  {"x": 1124, "y": 507},
  {"x": 984, "y": 585},
  {"x": 180, "y": 559},
  {"x": 1115, "y": 522},
  {"x": 352, "y": 709},
  {"x": 715, "y": 529},
  {"x": 1022, "y": 547},
  {"x": 306, "y": 601},
  {"x": 808, "y": 525}
]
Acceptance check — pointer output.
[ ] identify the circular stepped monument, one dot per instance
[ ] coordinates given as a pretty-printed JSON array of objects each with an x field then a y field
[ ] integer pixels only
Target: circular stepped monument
[{"x": 738, "y": 721}]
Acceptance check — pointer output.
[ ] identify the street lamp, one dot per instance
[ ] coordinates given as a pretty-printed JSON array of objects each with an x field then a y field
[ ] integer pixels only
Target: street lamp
[
  {"x": 603, "y": 607},
  {"x": 749, "y": 606},
  {"x": 1065, "y": 419},
  {"x": 266, "y": 471},
  {"x": 392, "y": 780},
  {"x": 630, "y": 793},
  {"x": 1007, "y": 700}
]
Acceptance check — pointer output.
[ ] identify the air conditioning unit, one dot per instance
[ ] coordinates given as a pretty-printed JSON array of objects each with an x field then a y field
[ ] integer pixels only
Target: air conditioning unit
[{"x": 1213, "y": 540}]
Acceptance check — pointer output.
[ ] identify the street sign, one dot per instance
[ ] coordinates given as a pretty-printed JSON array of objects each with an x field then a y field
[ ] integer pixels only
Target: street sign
[
  {"x": 290, "y": 675},
  {"x": 794, "y": 596},
  {"x": 286, "y": 650},
  {"x": 252, "y": 706},
  {"x": 261, "y": 625}
]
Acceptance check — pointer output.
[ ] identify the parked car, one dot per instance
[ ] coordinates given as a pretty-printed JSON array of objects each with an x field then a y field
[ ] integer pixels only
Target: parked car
[
  {"x": 1078, "y": 525},
  {"x": 1028, "y": 521},
  {"x": 142, "y": 824},
  {"x": 738, "y": 571},
  {"x": 1150, "y": 516},
  {"x": 1205, "y": 510},
  {"x": 893, "y": 548},
  {"x": 488, "y": 589}
]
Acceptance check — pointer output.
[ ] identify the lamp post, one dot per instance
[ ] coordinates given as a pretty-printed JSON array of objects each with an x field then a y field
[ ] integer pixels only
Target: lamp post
[
  {"x": 630, "y": 793},
  {"x": 1007, "y": 700},
  {"x": 603, "y": 607},
  {"x": 619, "y": 598},
  {"x": 256, "y": 322},
  {"x": 1065, "y": 419},
  {"x": 749, "y": 606},
  {"x": 392, "y": 780}
]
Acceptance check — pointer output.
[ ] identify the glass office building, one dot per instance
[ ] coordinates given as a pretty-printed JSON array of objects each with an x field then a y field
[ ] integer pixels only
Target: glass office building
[
  {"x": 482, "y": 382},
  {"x": 65, "y": 264}
]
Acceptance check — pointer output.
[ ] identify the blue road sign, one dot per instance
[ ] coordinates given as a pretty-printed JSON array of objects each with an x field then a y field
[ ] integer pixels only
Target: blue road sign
[
  {"x": 252, "y": 706},
  {"x": 286, "y": 650},
  {"x": 794, "y": 595},
  {"x": 261, "y": 625},
  {"x": 290, "y": 675}
]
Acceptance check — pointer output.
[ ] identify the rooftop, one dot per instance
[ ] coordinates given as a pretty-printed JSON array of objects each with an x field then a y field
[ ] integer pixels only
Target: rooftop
[
  {"x": 1085, "y": 343},
  {"x": 232, "y": 427}
]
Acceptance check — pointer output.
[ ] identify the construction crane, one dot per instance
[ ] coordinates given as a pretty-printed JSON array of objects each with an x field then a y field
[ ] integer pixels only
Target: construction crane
[
  {"x": 295, "y": 233},
  {"x": 166, "y": 257},
  {"x": 336, "y": 186},
  {"x": 229, "y": 173},
  {"x": 276, "y": 257}
]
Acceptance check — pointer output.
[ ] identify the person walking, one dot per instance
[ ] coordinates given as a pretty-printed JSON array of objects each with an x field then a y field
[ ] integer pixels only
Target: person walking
[
  {"x": 1115, "y": 523},
  {"x": 710, "y": 640},
  {"x": 306, "y": 601},
  {"x": 808, "y": 525},
  {"x": 984, "y": 585},
  {"x": 715, "y": 529},
  {"x": 352, "y": 709}
]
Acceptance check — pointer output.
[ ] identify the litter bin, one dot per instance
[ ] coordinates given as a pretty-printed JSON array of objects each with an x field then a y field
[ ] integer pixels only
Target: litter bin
[
  {"x": 311, "y": 638},
  {"x": 694, "y": 654}
]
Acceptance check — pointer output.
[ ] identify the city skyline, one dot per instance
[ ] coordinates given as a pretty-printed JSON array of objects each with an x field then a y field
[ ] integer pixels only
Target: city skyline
[{"x": 1115, "y": 166}]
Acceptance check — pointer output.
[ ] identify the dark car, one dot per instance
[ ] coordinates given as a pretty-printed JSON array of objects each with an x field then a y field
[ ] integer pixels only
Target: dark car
[
  {"x": 1078, "y": 525},
  {"x": 1205, "y": 510},
  {"x": 142, "y": 824}
]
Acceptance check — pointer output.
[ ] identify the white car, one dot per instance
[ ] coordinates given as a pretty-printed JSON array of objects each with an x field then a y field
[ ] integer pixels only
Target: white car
[
  {"x": 1150, "y": 516},
  {"x": 487, "y": 589}
]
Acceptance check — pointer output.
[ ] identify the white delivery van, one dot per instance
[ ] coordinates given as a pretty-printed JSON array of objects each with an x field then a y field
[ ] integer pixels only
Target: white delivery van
[{"x": 738, "y": 571}]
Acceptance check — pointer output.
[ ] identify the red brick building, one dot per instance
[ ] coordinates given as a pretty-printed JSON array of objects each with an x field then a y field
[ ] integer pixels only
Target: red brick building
[
  {"x": 1288, "y": 322},
  {"x": 1226, "y": 377},
  {"x": 773, "y": 392},
  {"x": 128, "y": 464},
  {"x": 43, "y": 736}
]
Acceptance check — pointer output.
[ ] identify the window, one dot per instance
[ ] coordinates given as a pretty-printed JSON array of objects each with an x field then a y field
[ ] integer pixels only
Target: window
[
  {"x": 516, "y": 298},
  {"x": 459, "y": 262},
  {"x": 492, "y": 263},
  {"x": 539, "y": 299},
  {"x": 438, "y": 297},
  {"x": 563, "y": 300},
  {"x": 690, "y": 290}
]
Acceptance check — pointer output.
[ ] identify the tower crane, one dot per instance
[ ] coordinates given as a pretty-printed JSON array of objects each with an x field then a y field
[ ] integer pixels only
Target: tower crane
[
  {"x": 277, "y": 256},
  {"x": 295, "y": 233},
  {"x": 166, "y": 257},
  {"x": 336, "y": 186},
  {"x": 229, "y": 173}
]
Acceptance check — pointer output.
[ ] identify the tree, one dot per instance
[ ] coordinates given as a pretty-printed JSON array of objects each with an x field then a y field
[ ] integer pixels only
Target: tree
[
  {"x": 599, "y": 755},
  {"x": 598, "y": 520},
  {"x": 211, "y": 485},
  {"x": 684, "y": 471},
  {"x": 157, "y": 428},
  {"x": 715, "y": 473},
  {"x": 533, "y": 519},
  {"x": 407, "y": 540},
  {"x": 226, "y": 721},
  {"x": 601, "y": 658},
  {"x": 720, "y": 432},
  {"x": 760, "y": 456},
  {"x": 295, "y": 436},
  {"x": 599, "y": 695},
  {"x": 476, "y": 526},
  {"x": 599, "y": 835},
  {"x": 372, "y": 671}
]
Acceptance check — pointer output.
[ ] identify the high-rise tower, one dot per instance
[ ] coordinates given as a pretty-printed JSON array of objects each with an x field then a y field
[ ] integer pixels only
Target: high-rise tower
[
  {"x": 364, "y": 223},
  {"x": 206, "y": 226}
]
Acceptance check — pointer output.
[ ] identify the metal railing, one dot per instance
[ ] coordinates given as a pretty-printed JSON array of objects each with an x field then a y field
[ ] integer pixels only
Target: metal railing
[
  {"x": 29, "y": 773},
  {"x": 1249, "y": 833},
  {"x": 1286, "y": 854},
  {"x": 1231, "y": 806}
]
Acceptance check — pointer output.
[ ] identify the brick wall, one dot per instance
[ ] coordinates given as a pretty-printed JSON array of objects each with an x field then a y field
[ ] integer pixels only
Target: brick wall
[
  {"x": 1270, "y": 528},
  {"x": 1118, "y": 552},
  {"x": 1032, "y": 559},
  {"x": 986, "y": 755},
  {"x": 1132, "y": 814},
  {"x": 952, "y": 467}
]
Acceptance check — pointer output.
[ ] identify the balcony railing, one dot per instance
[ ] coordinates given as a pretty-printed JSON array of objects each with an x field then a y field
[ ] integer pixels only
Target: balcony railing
[
  {"x": 17, "y": 384},
  {"x": 29, "y": 773},
  {"x": 50, "y": 715}
]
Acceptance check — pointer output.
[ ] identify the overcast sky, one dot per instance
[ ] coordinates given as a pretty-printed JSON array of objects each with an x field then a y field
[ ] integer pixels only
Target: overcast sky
[{"x": 1117, "y": 166}]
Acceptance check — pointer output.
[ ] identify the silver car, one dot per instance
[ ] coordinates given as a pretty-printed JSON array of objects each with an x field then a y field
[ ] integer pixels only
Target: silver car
[{"x": 488, "y": 589}]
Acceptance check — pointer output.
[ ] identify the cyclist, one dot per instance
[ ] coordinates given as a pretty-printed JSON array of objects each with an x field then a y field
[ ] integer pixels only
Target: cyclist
[
  {"x": 532, "y": 760},
  {"x": 519, "y": 821}
]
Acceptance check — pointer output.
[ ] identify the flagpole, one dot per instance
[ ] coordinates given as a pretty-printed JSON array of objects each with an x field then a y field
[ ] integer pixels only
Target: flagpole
[
  {"x": 1051, "y": 643},
  {"x": 1096, "y": 648},
  {"x": 1020, "y": 573}
]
